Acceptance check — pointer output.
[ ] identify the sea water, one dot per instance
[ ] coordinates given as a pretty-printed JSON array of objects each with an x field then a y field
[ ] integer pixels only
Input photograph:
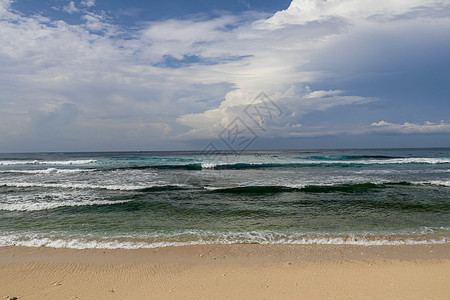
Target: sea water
[{"x": 157, "y": 199}]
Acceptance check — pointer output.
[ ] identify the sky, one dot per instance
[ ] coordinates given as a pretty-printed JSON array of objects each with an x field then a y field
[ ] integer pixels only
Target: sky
[{"x": 98, "y": 75}]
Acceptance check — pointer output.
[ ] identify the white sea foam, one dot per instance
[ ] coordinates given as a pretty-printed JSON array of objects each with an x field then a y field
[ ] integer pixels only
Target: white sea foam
[
  {"x": 48, "y": 171},
  {"x": 44, "y": 205},
  {"x": 82, "y": 244},
  {"x": 117, "y": 187},
  {"x": 435, "y": 182},
  {"x": 209, "y": 165},
  {"x": 123, "y": 187},
  {"x": 11, "y": 240},
  {"x": 412, "y": 160},
  {"x": 265, "y": 238},
  {"x": 330, "y": 184},
  {"x": 43, "y": 162}
]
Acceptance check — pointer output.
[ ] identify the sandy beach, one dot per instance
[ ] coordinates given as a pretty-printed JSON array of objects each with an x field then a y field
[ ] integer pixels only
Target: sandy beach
[{"x": 228, "y": 272}]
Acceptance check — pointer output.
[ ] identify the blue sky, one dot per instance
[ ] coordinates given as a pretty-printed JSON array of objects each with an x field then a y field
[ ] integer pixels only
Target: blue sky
[{"x": 176, "y": 75}]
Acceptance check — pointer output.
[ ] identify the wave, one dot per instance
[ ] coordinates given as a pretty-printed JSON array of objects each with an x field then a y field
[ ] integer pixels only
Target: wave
[
  {"x": 327, "y": 163},
  {"x": 435, "y": 182},
  {"x": 267, "y": 189},
  {"x": 145, "y": 188},
  {"x": 46, "y": 205},
  {"x": 244, "y": 163},
  {"x": 199, "y": 238},
  {"x": 305, "y": 162},
  {"x": 247, "y": 189},
  {"x": 43, "y": 162},
  {"x": 193, "y": 167},
  {"x": 48, "y": 171},
  {"x": 344, "y": 187},
  {"x": 347, "y": 157}
]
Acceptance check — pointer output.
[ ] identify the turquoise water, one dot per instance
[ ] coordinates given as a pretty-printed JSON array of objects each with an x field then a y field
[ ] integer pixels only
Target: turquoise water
[{"x": 154, "y": 199}]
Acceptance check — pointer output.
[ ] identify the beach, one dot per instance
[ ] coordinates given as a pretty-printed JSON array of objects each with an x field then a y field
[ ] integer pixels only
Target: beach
[
  {"x": 294, "y": 149},
  {"x": 322, "y": 224},
  {"x": 228, "y": 272}
]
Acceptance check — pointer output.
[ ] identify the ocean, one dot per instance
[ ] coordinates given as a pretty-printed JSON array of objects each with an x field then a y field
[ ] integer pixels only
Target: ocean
[{"x": 128, "y": 200}]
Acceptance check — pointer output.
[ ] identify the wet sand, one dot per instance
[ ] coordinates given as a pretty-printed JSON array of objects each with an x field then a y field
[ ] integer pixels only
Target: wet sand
[{"x": 228, "y": 272}]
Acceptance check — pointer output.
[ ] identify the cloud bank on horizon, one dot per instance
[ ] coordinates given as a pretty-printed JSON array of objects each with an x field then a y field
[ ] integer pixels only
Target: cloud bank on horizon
[{"x": 81, "y": 80}]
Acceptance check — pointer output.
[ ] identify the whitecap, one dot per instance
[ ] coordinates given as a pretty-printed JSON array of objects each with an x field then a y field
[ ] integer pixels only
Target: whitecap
[
  {"x": 43, "y": 162},
  {"x": 45, "y": 205}
]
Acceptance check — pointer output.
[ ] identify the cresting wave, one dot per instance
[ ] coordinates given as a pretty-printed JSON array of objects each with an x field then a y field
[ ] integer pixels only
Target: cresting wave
[{"x": 436, "y": 182}]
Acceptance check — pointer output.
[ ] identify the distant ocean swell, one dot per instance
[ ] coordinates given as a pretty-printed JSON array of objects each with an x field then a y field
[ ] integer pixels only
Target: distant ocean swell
[
  {"x": 205, "y": 163},
  {"x": 298, "y": 162}
]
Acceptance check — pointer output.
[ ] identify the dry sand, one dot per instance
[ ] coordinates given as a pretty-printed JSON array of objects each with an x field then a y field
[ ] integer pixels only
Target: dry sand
[{"x": 228, "y": 272}]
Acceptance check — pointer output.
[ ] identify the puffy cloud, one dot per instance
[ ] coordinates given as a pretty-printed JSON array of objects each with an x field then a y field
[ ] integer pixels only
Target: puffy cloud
[
  {"x": 285, "y": 53},
  {"x": 96, "y": 23},
  {"x": 88, "y": 3},
  {"x": 71, "y": 8},
  {"x": 5, "y": 13},
  {"x": 411, "y": 128},
  {"x": 379, "y": 128},
  {"x": 293, "y": 103}
]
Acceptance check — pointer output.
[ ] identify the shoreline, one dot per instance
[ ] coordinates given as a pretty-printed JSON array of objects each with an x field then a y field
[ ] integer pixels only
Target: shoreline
[
  {"x": 228, "y": 271},
  {"x": 287, "y": 239}
]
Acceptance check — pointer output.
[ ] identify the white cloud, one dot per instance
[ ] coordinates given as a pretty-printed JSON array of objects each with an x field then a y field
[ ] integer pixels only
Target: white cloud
[
  {"x": 320, "y": 94},
  {"x": 282, "y": 46},
  {"x": 293, "y": 102},
  {"x": 71, "y": 8},
  {"x": 381, "y": 123},
  {"x": 5, "y": 13},
  {"x": 411, "y": 128},
  {"x": 88, "y": 3},
  {"x": 96, "y": 23},
  {"x": 304, "y": 11},
  {"x": 120, "y": 86},
  {"x": 382, "y": 127}
]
